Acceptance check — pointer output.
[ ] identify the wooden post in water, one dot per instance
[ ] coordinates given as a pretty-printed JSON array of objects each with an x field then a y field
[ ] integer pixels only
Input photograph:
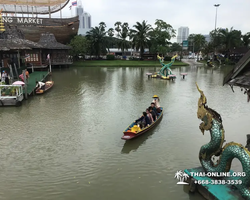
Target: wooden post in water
[
  {"x": 25, "y": 86},
  {"x": 11, "y": 73},
  {"x": 16, "y": 70},
  {"x": 18, "y": 57}
]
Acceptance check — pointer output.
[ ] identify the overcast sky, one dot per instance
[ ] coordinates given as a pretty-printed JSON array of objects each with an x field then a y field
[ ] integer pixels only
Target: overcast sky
[{"x": 198, "y": 15}]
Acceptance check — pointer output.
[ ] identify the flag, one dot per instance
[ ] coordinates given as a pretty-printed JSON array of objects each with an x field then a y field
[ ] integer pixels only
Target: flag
[{"x": 74, "y": 3}]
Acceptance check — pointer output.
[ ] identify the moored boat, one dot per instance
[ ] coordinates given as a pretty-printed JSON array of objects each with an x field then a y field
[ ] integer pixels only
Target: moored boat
[
  {"x": 130, "y": 133},
  {"x": 48, "y": 85}
]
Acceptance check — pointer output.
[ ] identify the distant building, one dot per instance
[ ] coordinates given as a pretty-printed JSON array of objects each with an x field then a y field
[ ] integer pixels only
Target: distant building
[
  {"x": 84, "y": 20},
  {"x": 183, "y": 33},
  {"x": 207, "y": 38}
]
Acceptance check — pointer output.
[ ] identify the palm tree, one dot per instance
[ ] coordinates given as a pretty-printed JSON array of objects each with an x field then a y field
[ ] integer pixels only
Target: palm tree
[
  {"x": 140, "y": 36},
  {"x": 185, "y": 176},
  {"x": 110, "y": 33},
  {"x": 178, "y": 174},
  {"x": 97, "y": 39},
  {"x": 226, "y": 39},
  {"x": 122, "y": 34},
  {"x": 199, "y": 41},
  {"x": 207, "y": 48}
]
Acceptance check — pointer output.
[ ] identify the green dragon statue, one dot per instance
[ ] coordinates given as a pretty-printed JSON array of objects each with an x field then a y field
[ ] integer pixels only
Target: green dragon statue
[
  {"x": 166, "y": 67},
  {"x": 212, "y": 121}
]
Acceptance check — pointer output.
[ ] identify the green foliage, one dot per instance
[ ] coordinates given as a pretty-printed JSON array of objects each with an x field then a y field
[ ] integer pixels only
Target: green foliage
[
  {"x": 79, "y": 45},
  {"x": 134, "y": 58},
  {"x": 110, "y": 57},
  {"x": 196, "y": 42},
  {"x": 160, "y": 37},
  {"x": 167, "y": 58},
  {"x": 97, "y": 40},
  {"x": 175, "y": 47},
  {"x": 140, "y": 36},
  {"x": 122, "y": 34}
]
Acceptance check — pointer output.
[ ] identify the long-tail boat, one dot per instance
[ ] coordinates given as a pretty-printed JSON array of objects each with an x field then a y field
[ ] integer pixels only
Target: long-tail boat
[{"x": 131, "y": 132}]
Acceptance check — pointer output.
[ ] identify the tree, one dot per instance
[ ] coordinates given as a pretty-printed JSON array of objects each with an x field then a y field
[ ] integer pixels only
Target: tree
[
  {"x": 225, "y": 39},
  {"x": 197, "y": 42},
  {"x": 98, "y": 40},
  {"x": 246, "y": 39},
  {"x": 110, "y": 40},
  {"x": 79, "y": 46},
  {"x": 175, "y": 47},
  {"x": 140, "y": 36},
  {"x": 207, "y": 48},
  {"x": 160, "y": 37},
  {"x": 122, "y": 34}
]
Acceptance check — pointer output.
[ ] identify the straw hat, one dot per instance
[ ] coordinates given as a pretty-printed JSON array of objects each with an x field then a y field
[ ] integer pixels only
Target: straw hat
[{"x": 155, "y": 96}]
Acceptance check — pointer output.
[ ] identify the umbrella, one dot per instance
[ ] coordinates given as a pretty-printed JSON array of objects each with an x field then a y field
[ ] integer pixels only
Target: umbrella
[{"x": 18, "y": 83}]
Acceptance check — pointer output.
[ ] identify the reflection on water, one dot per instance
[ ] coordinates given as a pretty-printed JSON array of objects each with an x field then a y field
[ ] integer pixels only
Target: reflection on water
[{"x": 66, "y": 144}]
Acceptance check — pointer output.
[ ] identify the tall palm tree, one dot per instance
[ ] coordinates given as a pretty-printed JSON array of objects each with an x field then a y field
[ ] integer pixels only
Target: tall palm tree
[
  {"x": 140, "y": 36},
  {"x": 97, "y": 39},
  {"x": 199, "y": 41},
  {"x": 123, "y": 34},
  {"x": 110, "y": 41},
  {"x": 226, "y": 38}
]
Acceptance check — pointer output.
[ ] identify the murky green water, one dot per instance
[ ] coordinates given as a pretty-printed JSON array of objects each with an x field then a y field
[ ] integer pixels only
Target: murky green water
[{"x": 67, "y": 145}]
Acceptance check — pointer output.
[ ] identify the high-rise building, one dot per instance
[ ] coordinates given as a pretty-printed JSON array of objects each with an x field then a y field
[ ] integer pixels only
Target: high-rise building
[
  {"x": 84, "y": 20},
  {"x": 183, "y": 33}
]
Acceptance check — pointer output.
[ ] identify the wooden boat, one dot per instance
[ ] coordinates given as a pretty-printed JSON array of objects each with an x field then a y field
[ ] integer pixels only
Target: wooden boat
[
  {"x": 128, "y": 134},
  {"x": 48, "y": 85}
]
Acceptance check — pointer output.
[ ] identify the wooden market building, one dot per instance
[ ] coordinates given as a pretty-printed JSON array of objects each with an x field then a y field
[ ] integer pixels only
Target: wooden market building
[{"x": 15, "y": 49}]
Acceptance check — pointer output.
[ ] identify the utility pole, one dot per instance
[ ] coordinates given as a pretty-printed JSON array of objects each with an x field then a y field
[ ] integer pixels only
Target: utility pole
[{"x": 215, "y": 32}]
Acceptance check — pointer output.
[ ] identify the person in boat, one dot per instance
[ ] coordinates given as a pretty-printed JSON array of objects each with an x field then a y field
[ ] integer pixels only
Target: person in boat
[
  {"x": 149, "y": 116},
  {"x": 40, "y": 85},
  {"x": 156, "y": 100},
  {"x": 154, "y": 115},
  {"x": 143, "y": 121},
  {"x": 154, "y": 109}
]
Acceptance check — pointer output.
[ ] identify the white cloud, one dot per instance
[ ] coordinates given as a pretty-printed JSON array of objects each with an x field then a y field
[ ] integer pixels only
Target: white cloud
[{"x": 198, "y": 15}]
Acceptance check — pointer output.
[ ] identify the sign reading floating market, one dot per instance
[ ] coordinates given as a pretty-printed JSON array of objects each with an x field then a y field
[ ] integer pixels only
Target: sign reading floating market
[{"x": 22, "y": 20}]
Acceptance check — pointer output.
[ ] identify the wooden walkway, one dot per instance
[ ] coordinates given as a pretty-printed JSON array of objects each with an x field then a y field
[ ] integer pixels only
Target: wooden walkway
[{"x": 35, "y": 76}]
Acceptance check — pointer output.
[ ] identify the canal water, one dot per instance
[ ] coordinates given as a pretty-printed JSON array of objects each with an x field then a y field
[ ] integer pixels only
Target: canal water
[{"x": 66, "y": 144}]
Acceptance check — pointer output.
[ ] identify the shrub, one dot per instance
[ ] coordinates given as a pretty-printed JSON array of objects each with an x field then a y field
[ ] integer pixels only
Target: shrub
[
  {"x": 167, "y": 58},
  {"x": 110, "y": 57}
]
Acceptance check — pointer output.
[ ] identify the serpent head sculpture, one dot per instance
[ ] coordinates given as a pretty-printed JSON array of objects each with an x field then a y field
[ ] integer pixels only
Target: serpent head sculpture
[{"x": 212, "y": 121}]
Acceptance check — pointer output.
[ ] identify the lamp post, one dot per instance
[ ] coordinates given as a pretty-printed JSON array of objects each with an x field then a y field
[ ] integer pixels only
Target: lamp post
[{"x": 216, "y": 6}]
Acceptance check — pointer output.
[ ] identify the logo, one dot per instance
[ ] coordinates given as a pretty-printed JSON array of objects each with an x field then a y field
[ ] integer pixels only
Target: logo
[{"x": 181, "y": 176}]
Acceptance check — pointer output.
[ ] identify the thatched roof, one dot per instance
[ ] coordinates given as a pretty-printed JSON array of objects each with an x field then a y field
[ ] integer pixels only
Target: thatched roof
[
  {"x": 48, "y": 41},
  {"x": 13, "y": 39},
  {"x": 15, "y": 44}
]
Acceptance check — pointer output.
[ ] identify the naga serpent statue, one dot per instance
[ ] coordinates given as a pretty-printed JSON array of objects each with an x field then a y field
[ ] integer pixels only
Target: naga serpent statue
[
  {"x": 166, "y": 67},
  {"x": 212, "y": 121}
]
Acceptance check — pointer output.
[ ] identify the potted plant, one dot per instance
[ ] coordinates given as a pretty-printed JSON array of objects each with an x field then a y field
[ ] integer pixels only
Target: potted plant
[{"x": 13, "y": 91}]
